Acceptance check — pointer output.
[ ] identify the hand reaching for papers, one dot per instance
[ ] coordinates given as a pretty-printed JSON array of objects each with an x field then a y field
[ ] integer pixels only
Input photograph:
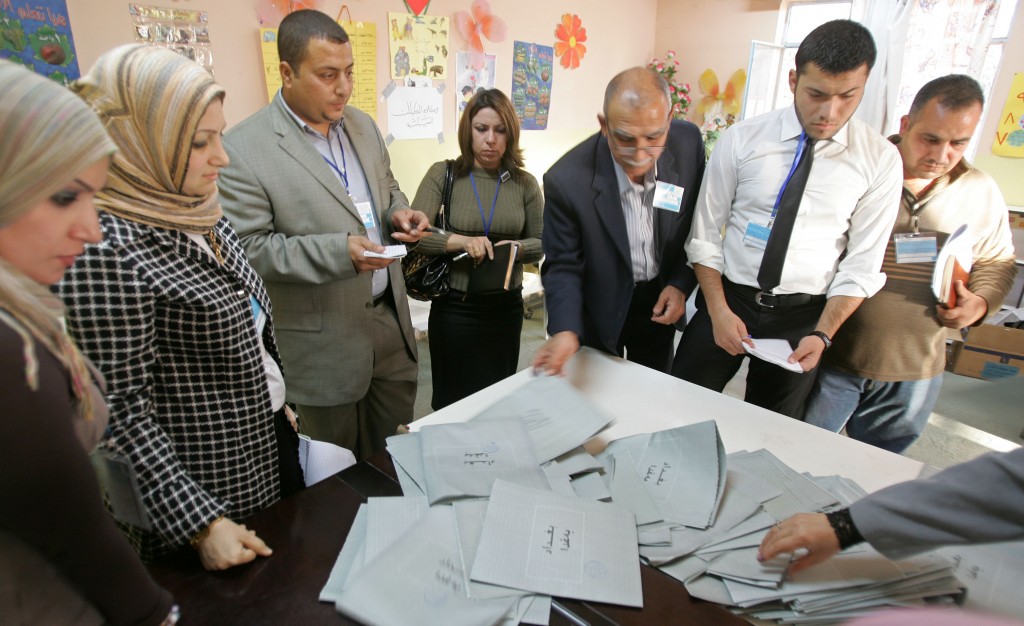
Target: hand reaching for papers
[
  {"x": 555, "y": 353},
  {"x": 808, "y": 534},
  {"x": 229, "y": 544},
  {"x": 969, "y": 309}
]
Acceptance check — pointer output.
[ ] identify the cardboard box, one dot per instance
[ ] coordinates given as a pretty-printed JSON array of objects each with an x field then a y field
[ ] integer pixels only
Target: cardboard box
[{"x": 992, "y": 352}]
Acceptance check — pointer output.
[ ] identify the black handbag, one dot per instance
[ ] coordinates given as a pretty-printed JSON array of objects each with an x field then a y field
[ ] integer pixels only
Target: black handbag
[{"x": 429, "y": 276}]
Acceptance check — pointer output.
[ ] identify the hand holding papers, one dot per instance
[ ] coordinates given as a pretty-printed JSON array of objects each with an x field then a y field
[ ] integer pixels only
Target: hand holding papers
[
  {"x": 775, "y": 351},
  {"x": 390, "y": 252}
]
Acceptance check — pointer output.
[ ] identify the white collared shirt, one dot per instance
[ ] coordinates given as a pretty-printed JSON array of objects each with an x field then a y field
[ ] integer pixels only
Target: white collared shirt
[
  {"x": 638, "y": 211},
  {"x": 847, "y": 212}
]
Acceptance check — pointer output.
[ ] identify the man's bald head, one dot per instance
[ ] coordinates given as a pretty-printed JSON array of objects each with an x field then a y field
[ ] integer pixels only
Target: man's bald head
[{"x": 636, "y": 88}]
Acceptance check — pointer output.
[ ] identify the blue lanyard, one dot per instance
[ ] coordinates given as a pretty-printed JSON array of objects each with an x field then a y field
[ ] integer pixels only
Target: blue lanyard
[
  {"x": 785, "y": 183},
  {"x": 479, "y": 205},
  {"x": 343, "y": 172}
]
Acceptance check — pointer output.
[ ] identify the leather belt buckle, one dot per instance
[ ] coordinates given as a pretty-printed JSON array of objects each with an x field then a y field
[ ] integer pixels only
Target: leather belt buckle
[{"x": 758, "y": 299}]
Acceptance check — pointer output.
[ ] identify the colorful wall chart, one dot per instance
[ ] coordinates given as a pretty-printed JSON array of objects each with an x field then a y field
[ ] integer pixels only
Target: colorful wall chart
[
  {"x": 38, "y": 36},
  {"x": 419, "y": 45},
  {"x": 1009, "y": 141},
  {"x": 181, "y": 30},
  {"x": 363, "y": 37},
  {"x": 470, "y": 79},
  {"x": 531, "y": 83}
]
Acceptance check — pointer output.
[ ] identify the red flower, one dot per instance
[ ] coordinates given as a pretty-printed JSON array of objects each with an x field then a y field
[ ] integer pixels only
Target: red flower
[{"x": 571, "y": 36}]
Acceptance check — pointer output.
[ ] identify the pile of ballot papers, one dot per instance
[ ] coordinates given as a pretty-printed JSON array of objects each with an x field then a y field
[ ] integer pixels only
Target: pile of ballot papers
[{"x": 504, "y": 511}]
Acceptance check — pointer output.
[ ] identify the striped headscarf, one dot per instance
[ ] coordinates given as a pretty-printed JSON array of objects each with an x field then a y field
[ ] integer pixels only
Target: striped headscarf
[
  {"x": 151, "y": 100},
  {"x": 47, "y": 137}
]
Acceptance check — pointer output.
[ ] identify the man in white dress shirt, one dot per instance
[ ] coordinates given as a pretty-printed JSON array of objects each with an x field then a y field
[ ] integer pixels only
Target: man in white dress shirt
[{"x": 838, "y": 238}]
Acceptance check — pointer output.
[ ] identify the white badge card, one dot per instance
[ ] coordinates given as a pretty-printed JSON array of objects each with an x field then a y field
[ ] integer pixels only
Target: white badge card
[
  {"x": 668, "y": 196},
  {"x": 756, "y": 235},
  {"x": 915, "y": 247},
  {"x": 366, "y": 214}
]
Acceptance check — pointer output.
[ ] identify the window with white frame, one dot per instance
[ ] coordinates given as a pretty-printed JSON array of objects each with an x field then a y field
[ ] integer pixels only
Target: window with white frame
[{"x": 768, "y": 72}]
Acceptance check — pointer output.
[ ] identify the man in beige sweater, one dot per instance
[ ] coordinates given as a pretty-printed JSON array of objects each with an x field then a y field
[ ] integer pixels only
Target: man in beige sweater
[{"x": 882, "y": 375}]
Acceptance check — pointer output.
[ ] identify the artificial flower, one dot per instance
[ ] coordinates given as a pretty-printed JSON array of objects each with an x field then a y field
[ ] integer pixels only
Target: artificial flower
[{"x": 571, "y": 36}]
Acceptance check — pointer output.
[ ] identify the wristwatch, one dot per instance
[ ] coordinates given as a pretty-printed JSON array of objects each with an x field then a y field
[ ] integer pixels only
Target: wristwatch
[{"x": 825, "y": 338}]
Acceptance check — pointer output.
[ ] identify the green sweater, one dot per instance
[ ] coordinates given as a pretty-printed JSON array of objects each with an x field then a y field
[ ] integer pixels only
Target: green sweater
[{"x": 517, "y": 215}]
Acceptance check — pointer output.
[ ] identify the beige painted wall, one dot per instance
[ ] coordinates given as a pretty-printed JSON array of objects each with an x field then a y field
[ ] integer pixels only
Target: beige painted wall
[
  {"x": 713, "y": 34},
  {"x": 617, "y": 38}
]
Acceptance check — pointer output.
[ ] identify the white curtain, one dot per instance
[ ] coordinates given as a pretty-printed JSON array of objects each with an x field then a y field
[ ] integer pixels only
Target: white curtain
[
  {"x": 919, "y": 40},
  {"x": 888, "y": 21}
]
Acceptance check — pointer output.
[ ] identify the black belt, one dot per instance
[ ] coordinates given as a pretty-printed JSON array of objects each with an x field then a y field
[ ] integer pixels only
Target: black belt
[{"x": 770, "y": 300}]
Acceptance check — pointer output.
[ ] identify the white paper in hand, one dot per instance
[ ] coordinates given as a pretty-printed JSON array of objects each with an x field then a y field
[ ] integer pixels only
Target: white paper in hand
[
  {"x": 390, "y": 252},
  {"x": 774, "y": 351}
]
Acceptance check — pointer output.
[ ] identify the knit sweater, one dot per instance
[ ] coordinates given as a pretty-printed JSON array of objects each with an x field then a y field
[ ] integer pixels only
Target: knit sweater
[
  {"x": 517, "y": 215},
  {"x": 895, "y": 335}
]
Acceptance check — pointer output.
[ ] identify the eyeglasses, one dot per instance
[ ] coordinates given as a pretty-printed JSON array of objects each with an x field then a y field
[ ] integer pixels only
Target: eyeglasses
[{"x": 628, "y": 151}]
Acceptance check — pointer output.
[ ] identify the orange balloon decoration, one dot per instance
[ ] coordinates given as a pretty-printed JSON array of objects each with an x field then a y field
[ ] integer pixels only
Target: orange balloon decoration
[{"x": 475, "y": 26}]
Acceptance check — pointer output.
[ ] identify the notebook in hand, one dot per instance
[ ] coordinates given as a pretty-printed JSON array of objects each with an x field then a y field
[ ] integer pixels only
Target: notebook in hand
[
  {"x": 952, "y": 264},
  {"x": 494, "y": 274},
  {"x": 951, "y": 272}
]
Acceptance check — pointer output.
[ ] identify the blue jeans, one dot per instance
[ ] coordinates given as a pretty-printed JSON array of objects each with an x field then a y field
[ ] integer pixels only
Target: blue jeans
[{"x": 888, "y": 415}]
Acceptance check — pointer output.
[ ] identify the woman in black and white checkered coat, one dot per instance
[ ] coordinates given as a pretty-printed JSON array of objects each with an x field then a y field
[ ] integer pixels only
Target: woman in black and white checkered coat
[{"x": 170, "y": 310}]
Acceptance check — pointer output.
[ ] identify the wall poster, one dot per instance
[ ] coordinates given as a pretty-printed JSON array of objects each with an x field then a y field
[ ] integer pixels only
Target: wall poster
[
  {"x": 470, "y": 79},
  {"x": 419, "y": 45},
  {"x": 182, "y": 30},
  {"x": 531, "y": 83},
  {"x": 38, "y": 36},
  {"x": 1009, "y": 141}
]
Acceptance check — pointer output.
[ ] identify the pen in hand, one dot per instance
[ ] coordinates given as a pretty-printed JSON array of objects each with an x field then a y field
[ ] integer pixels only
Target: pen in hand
[{"x": 459, "y": 257}]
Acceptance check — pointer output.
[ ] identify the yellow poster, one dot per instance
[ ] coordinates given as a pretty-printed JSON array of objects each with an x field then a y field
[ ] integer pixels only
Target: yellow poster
[
  {"x": 419, "y": 45},
  {"x": 1009, "y": 140},
  {"x": 271, "y": 62},
  {"x": 363, "y": 36}
]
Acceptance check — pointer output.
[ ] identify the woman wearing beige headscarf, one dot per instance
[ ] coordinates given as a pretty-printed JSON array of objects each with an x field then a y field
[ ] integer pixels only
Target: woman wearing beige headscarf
[
  {"x": 62, "y": 560},
  {"x": 172, "y": 314}
]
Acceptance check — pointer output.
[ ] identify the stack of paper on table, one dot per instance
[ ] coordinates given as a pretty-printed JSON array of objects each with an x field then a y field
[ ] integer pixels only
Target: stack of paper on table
[{"x": 506, "y": 510}]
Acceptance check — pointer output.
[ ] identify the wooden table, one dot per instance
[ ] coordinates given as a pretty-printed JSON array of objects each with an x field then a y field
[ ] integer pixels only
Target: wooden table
[{"x": 307, "y": 532}]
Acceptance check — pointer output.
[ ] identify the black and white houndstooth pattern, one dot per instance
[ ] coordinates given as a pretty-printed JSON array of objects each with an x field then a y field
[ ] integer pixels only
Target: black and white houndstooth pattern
[{"x": 173, "y": 333}]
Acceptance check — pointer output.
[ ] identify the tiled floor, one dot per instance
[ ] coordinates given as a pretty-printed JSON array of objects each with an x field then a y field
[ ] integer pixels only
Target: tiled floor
[{"x": 972, "y": 416}]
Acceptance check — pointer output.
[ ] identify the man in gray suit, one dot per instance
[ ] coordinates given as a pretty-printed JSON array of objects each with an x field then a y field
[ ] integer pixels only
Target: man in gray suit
[{"x": 310, "y": 191}]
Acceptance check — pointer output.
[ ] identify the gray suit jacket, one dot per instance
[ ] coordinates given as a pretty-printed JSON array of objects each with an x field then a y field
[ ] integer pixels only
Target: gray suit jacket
[
  {"x": 980, "y": 501},
  {"x": 294, "y": 218}
]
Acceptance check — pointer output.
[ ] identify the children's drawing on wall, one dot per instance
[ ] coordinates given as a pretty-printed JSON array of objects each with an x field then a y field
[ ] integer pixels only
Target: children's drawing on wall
[
  {"x": 571, "y": 35},
  {"x": 531, "y": 83},
  {"x": 419, "y": 45},
  {"x": 470, "y": 79},
  {"x": 38, "y": 36},
  {"x": 477, "y": 24},
  {"x": 1009, "y": 140}
]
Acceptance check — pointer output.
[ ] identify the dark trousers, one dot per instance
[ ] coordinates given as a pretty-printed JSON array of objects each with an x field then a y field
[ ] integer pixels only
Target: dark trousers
[
  {"x": 699, "y": 360},
  {"x": 474, "y": 342},
  {"x": 288, "y": 467},
  {"x": 645, "y": 342}
]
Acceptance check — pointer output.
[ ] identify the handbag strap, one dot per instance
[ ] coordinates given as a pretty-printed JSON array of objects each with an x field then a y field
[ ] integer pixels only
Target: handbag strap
[{"x": 446, "y": 194}]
